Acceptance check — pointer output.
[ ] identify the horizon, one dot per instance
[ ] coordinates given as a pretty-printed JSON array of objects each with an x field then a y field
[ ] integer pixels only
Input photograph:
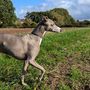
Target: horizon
[{"x": 78, "y": 9}]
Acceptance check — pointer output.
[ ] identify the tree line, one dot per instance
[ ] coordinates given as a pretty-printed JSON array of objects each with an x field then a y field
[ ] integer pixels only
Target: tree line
[
  {"x": 7, "y": 15},
  {"x": 61, "y": 17}
]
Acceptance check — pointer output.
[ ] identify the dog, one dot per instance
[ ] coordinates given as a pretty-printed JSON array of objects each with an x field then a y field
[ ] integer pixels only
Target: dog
[{"x": 27, "y": 47}]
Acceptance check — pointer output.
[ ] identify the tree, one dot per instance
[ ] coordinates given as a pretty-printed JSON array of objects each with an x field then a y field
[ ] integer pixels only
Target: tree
[
  {"x": 7, "y": 15},
  {"x": 59, "y": 15},
  {"x": 28, "y": 23}
]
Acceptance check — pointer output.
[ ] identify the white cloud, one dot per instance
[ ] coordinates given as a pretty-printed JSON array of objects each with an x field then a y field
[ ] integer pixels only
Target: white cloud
[
  {"x": 79, "y": 9},
  {"x": 22, "y": 12},
  {"x": 84, "y": 2}
]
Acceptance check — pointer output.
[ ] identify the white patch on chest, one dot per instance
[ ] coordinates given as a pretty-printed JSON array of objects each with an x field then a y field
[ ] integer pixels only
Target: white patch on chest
[
  {"x": 44, "y": 33},
  {"x": 41, "y": 38},
  {"x": 40, "y": 41}
]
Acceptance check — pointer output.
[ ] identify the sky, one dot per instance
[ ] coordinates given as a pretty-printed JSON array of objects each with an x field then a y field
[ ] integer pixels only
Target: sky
[{"x": 78, "y": 9}]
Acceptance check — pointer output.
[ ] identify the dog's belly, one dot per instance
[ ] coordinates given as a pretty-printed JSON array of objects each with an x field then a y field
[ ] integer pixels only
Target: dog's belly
[
  {"x": 17, "y": 55},
  {"x": 20, "y": 56}
]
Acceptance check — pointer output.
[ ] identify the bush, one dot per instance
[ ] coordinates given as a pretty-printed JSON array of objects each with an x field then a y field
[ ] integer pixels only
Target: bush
[
  {"x": 28, "y": 23},
  {"x": 18, "y": 24}
]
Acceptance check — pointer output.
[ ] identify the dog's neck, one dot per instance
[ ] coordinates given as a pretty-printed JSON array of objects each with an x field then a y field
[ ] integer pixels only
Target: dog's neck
[{"x": 39, "y": 31}]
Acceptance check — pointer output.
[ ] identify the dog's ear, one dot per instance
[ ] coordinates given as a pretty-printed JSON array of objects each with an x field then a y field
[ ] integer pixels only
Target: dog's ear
[{"x": 44, "y": 18}]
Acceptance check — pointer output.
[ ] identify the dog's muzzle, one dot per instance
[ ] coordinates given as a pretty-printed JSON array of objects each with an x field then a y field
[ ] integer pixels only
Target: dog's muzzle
[{"x": 61, "y": 30}]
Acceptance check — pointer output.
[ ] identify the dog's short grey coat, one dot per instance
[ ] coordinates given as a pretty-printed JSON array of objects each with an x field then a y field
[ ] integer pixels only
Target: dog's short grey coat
[{"x": 27, "y": 47}]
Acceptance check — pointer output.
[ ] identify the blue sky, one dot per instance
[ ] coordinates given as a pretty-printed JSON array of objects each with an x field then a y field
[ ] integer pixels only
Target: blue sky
[{"x": 79, "y": 9}]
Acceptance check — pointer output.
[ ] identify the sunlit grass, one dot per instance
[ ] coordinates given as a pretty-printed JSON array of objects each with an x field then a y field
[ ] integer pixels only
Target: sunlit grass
[{"x": 70, "y": 49}]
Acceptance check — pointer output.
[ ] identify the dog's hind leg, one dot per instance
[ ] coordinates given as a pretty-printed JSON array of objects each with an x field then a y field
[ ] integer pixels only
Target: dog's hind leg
[
  {"x": 35, "y": 64},
  {"x": 24, "y": 71}
]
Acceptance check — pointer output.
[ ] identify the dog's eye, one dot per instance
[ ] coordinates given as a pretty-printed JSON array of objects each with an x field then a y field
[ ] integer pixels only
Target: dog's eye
[{"x": 52, "y": 24}]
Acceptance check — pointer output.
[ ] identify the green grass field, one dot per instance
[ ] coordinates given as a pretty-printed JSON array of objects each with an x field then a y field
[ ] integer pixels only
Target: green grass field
[{"x": 66, "y": 58}]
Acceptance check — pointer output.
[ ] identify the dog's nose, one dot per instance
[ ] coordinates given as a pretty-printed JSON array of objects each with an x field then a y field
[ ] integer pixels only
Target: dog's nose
[{"x": 61, "y": 30}]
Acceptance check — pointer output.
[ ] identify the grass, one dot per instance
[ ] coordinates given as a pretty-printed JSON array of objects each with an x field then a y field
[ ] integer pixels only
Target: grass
[{"x": 66, "y": 56}]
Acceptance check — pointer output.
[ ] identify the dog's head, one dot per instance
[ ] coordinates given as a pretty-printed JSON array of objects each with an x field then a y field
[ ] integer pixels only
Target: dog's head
[{"x": 50, "y": 25}]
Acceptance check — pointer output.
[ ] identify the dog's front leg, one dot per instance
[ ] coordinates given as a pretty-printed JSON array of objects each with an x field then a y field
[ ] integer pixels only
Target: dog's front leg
[
  {"x": 24, "y": 71},
  {"x": 35, "y": 64}
]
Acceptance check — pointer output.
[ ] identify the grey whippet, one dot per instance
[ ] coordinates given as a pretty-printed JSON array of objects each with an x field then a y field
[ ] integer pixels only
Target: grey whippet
[{"x": 27, "y": 47}]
